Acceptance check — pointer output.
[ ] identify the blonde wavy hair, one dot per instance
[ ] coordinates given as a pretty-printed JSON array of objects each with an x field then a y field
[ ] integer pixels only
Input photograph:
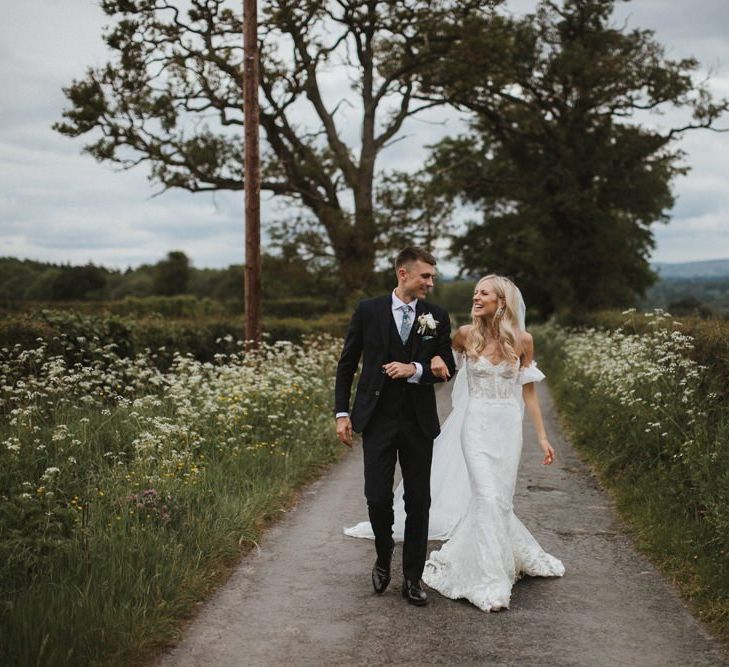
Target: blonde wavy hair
[{"x": 504, "y": 325}]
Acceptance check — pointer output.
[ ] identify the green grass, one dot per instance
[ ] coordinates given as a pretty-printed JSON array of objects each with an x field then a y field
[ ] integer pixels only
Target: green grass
[
  {"x": 670, "y": 483},
  {"x": 91, "y": 574},
  {"x": 124, "y": 597}
]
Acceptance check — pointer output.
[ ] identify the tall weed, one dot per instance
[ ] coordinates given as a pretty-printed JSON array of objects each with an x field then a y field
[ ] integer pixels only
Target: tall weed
[
  {"x": 127, "y": 491},
  {"x": 642, "y": 405}
]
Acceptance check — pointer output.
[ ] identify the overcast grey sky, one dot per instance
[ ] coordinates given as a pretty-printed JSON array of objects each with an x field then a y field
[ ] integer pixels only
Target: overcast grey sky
[{"x": 59, "y": 205}]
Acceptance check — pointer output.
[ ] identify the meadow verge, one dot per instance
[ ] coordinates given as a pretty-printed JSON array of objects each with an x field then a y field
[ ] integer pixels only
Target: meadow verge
[
  {"x": 127, "y": 493},
  {"x": 653, "y": 423}
]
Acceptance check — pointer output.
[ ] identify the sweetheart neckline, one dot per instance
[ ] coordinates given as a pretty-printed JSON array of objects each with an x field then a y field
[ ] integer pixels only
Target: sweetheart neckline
[{"x": 491, "y": 363}]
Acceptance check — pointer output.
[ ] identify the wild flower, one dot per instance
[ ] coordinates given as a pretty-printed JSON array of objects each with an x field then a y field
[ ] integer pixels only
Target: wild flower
[
  {"x": 115, "y": 422},
  {"x": 651, "y": 375}
]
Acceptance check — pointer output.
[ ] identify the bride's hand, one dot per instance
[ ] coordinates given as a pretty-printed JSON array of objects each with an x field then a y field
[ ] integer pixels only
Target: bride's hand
[
  {"x": 438, "y": 367},
  {"x": 548, "y": 451}
]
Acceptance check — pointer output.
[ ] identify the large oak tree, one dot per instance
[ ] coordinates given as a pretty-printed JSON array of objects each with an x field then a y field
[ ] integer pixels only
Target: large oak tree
[
  {"x": 170, "y": 97},
  {"x": 568, "y": 157}
]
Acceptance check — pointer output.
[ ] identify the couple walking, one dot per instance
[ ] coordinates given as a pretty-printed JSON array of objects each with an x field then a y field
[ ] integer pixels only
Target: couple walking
[{"x": 458, "y": 483}]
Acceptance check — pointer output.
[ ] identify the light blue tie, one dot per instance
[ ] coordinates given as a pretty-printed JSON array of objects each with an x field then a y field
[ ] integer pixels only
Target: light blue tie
[{"x": 407, "y": 323}]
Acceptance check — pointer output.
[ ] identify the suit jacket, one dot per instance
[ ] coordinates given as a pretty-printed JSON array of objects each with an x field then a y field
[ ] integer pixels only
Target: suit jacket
[{"x": 368, "y": 338}]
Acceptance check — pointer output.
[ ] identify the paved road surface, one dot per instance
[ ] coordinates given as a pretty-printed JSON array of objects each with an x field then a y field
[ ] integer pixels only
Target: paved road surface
[{"x": 305, "y": 597}]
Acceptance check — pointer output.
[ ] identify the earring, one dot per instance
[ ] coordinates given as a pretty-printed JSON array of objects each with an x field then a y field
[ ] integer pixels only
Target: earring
[{"x": 499, "y": 311}]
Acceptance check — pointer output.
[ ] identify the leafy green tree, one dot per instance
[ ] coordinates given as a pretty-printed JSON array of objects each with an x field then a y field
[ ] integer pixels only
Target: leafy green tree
[
  {"x": 568, "y": 176},
  {"x": 229, "y": 283},
  {"x": 41, "y": 289},
  {"x": 412, "y": 211},
  {"x": 16, "y": 276},
  {"x": 76, "y": 283},
  {"x": 138, "y": 282},
  {"x": 690, "y": 305},
  {"x": 171, "y": 97},
  {"x": 172, "y": 275}
]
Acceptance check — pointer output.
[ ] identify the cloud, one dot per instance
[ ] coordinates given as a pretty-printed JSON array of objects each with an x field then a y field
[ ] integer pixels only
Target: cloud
[
  {"x": 678, "y": 242},
  {"x": 59, "y": 205}
]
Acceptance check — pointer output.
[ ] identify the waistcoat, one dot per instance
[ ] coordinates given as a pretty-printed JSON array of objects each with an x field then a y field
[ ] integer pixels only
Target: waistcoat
[{"x": 395, "y": 392}]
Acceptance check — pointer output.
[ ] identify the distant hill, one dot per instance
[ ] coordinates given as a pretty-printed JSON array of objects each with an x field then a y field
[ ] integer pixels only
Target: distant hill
[{"x": 712, "y": 268}]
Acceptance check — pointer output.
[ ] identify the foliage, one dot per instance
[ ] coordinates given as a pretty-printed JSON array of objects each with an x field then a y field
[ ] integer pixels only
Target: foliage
[
  {"x": 26, "y": 279},
  {"x": 648, "y": 406},
  {"x": 456, "y": 296},
  {"x": 690, "y": 296},
  {"x": 126, "y": 492},
  {"x": 710, "y": 339},
  {"x": 172, "y": 274},
  {"x": 567, "y": 175},
  {"x": 176, "y": 307},
  {"x": 285, "y": 277},
  {"x": 411, "y": 211},
  {"x": 171, "y": 97},
  {"x": 301, "y": 307},
  {"x": 74, "y": 335}
]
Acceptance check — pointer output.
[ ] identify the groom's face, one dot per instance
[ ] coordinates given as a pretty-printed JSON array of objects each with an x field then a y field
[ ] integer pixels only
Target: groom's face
[{"x": 416, "y": 279}]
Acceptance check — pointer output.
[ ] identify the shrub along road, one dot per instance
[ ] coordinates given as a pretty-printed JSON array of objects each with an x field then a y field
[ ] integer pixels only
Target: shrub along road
[{"x": 304, "y": 597}]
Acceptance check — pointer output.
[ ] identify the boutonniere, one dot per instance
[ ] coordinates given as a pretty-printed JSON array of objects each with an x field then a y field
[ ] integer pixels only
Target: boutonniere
[{"x": 426, "y": 324}]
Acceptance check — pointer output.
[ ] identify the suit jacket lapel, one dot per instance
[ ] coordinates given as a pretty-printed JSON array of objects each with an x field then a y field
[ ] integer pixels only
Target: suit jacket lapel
[
  {"x": 419, "y": 310},
  {"x": 386, "y": 322}
]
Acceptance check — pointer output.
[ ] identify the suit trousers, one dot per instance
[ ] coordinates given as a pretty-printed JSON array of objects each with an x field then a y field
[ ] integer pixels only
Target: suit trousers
[{"x": 389, "y": 435}]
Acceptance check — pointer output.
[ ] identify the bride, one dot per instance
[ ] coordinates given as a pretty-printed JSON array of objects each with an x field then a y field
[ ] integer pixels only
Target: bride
[{"x": 476, "y": 458}]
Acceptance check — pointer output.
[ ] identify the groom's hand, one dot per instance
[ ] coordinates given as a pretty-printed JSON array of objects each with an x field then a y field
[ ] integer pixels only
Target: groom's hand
[
  {"x": 344, "y": 431},
  {"x": 398, "y": 371}
]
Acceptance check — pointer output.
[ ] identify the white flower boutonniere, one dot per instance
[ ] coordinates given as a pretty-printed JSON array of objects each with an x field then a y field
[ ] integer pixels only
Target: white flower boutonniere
[{"x": 426, "y": 324}]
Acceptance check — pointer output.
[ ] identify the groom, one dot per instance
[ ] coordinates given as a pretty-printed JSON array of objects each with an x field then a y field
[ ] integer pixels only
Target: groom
[{"x": 396, "y": 336}]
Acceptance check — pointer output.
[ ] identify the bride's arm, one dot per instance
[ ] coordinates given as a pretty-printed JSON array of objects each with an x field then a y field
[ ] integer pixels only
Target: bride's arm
[{"x": 531, "y": 402}]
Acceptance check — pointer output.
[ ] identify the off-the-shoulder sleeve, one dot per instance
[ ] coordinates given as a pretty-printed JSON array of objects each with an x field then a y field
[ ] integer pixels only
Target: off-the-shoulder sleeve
[{"x": 530, "y": 373}]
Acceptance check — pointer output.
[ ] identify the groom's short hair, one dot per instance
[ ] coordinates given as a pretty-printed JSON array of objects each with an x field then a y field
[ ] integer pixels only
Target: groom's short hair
[{"x": 413, "y": 254}]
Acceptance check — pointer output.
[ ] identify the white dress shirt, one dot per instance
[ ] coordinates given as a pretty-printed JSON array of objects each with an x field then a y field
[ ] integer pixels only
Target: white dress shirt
[{"x": 397, "y": 314}]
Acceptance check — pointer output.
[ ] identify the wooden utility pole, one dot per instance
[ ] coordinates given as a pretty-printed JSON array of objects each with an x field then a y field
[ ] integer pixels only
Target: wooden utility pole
[{"x": 252, "y": 172}]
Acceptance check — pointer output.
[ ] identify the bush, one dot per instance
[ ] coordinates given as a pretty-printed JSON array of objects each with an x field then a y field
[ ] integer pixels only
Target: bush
[
  {"x": 647, "y": 403},
  {"x": 127, "y": 492},
  {"x": 295, "y": 329},
  {"x": 301, "y": 307},
  {"x": 710, "y": 339},
  {"x": 181, "y": 306},
  {"x": 184, "y": 306},
  {"x": 73, "y": 334}
]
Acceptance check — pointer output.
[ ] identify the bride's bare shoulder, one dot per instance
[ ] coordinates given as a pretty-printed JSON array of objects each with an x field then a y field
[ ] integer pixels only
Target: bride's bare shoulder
[
  {"x": 525, "y": 339},
  {"x": 526, "y": 346},
  {"x": 459, "y": 340}
]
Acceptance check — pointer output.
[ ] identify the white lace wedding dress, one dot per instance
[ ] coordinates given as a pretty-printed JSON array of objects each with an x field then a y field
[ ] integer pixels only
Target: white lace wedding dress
[
  {"x": 475, "y": 463},
  {"x": 489, "y": 548}
]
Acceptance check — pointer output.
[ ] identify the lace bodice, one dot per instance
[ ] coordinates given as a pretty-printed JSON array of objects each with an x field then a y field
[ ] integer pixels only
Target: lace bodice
[
  {"x": 498, "y": 381},
  {"x": 491, "y": 381}
]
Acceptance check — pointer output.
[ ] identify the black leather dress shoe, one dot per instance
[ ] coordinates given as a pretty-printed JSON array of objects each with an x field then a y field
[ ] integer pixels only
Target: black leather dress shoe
[
  {"x": 380, "y": 578},
  {"x": 381, "y": 574},
  {"x": 413, "y": 592}
]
